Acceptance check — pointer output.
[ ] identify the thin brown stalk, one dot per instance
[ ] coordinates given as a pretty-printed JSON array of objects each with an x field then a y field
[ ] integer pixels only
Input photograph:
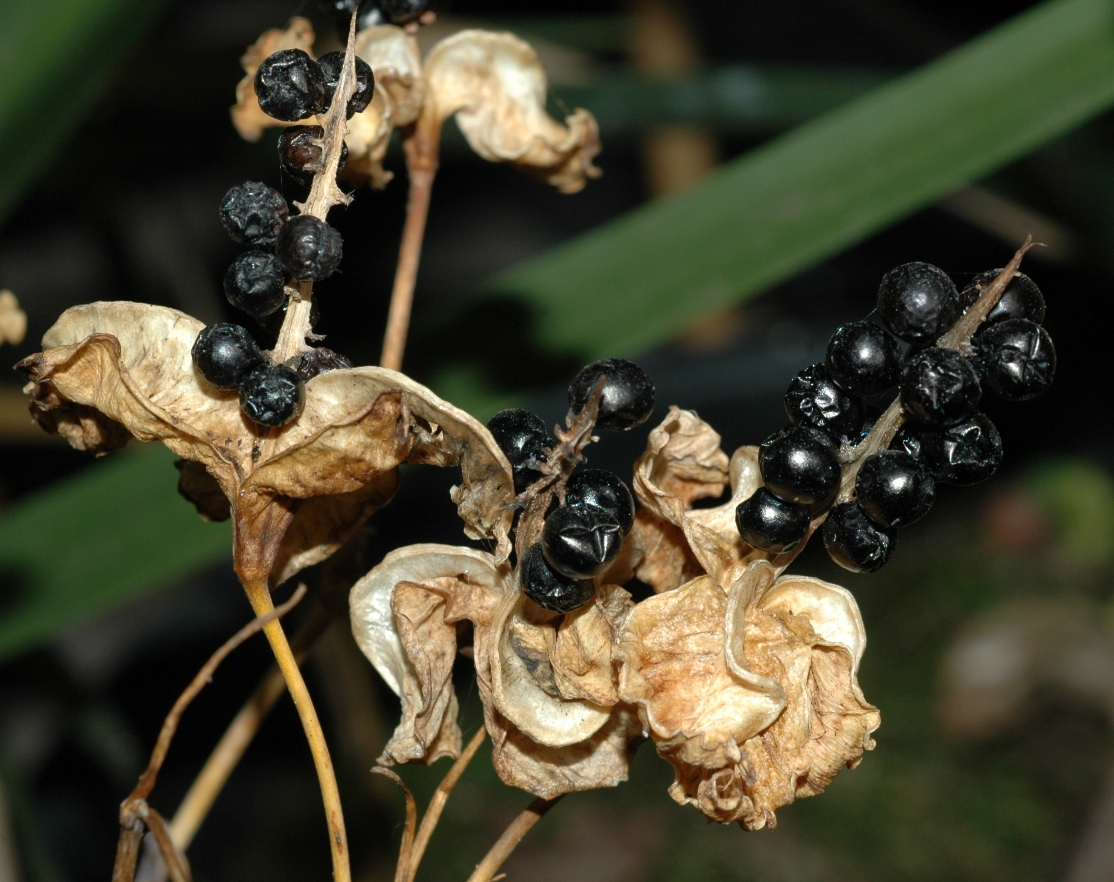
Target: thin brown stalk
[
  {"x": 226, "y": 755},
  {"x": 127, "y": 850},
  {"x": 422, "y": 149},
  {"x": 405, "y": 849},
  {"x": 259, "y": 596},
  {"x": 437, "y": 803},
  {"x": 487, "y": 868},
  {"x": 174, "y": 860}
]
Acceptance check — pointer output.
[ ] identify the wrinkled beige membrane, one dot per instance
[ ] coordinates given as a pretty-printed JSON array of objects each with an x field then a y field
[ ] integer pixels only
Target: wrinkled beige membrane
[
  {"x": 746, "y": 682},
  {"x": 493, "y": 82},
  {"x": 546, "y": 684},
  {"x": 109, "y": 371}
]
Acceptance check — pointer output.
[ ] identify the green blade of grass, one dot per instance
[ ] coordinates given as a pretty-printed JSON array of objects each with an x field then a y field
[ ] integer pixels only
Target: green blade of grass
[
  {"x": 95, "y": 540},
  {"x": 823, "y": 186},
  {"x": 56, "y": 56}
]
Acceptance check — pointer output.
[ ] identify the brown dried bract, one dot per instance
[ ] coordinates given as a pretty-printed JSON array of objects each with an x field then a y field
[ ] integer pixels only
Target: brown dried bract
[
  {"x": 546, "y": 683},
  {"x": 750, "y": 694},
  {"x": 113, "y": 370}
]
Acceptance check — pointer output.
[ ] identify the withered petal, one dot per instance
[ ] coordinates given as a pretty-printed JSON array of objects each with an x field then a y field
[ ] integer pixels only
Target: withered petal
[{"x": 495, "y": 84}]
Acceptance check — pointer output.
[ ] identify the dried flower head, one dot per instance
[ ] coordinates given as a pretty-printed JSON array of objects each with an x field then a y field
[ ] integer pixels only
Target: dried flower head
[
  {"x": 745, "y": 682},
  {"x": 492, "y": 82}
]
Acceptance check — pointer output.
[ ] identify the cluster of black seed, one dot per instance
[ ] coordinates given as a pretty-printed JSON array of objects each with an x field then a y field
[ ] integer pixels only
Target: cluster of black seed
[
  {"x": 944, "y": 437},
  {"x": 581, "y": 538}
]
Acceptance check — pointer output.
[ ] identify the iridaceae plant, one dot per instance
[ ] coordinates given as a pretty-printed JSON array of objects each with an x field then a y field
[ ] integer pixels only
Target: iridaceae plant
[{"x": 744, "y": 677}]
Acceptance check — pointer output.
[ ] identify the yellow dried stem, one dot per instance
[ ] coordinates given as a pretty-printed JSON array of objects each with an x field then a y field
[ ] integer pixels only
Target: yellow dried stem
[{"x": 487, "y": 868}]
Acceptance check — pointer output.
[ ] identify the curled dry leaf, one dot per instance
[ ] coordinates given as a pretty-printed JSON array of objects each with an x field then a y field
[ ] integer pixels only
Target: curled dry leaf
[
  {"x": 493, "y": 82},
  {"x": 13, "y": 320},
  {"x": 683, "y": 463},
  {"x": 750, "y": 694},
  {"x": 113, "y": 370},
  {"x": 547, "y": 687}
]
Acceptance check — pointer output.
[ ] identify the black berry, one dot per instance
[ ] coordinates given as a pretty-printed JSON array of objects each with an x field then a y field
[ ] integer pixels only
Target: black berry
[
  {"x": 855, "y": 542},
  {"x": 256, "y": 283},
  {"x": 771, "y": 524},
  {"x": 963, "y": 454},
  {"x": 580, "y": 542},
  {"x": 549, "y": 589},
  {"x": 309, "y": 248},
  {"x": 939, "y": 387},
  {"x": 318, "y": 360},
  {"x": 628, "y": 393},
  {"x": 253, "y": 214},
  {"x": 522, "y": 437},
  {"x": 603, "y": 491},
  {"x": 907, "y": 439},
  {"x": 272, "y": 395},
  {"x": 814, "y": 399},
  {"x": 918, "y": 302},
  {"x": 300, "y": 153},
  {"x": 864, "y": 358},
  {"x": 290, "y": 85},
  {"x": 224, "y": 354},
  {"x": 332, "y": 63},
  {"x": 402, "y": 12},
  {"x": 1022, "y": 299},
  {"x": 894, "y": 489},
  {"x": 800, "y": 464},
  {"x": 1016, "y": 359}
]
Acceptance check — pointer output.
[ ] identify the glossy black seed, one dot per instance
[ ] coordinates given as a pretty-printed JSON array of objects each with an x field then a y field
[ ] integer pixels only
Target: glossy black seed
[
  {"x": 580, "y": 542},
  {"x": 814, "y": 399},
  {"x": 309, "y": 248},
  {"x": 318, "y": 360},
  {"x": 864, "y": 359},
  {"x": 1016, "y": 359},
  {"x": 256, "y": 283},
  {"x": 918, "y": 302},
  {"x": 224, "y": 354},
  {"x": 332, "y": 63},
  {"x": 290, "y": 85},
  {"x": 855, "y": 542},
  {"x": 272, "y": 395},
  {"x": 908, "y": 439},
  {"x": 253, "y": 214},
  {"x": 628, "y": 393},
  {"x": 800, "y": 464},
  {"x": 964, "y": 454},
  {"x": 522, "y": 437},
  {"x": 939, "y": 387},
  {"x": 894, "y": 489},
  {"x": 300, "y": 154},
  {"x": 549, "y": 589},
  {"x": 771, "y": 524},
  {"x": 1022, "y": 299},
  {"x": 402, "y": 12},
  {"x": 604, "y": 491}
]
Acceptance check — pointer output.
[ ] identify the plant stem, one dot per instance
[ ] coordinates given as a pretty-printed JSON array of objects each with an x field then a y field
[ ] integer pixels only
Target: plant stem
[
  {"x": 437, "y": 803},
  {"x": 260, "y": 598},
  {"x": 422, "y": 149},
  {"x": 239, "y": 734},
  {"x": 514, "y": 834}
]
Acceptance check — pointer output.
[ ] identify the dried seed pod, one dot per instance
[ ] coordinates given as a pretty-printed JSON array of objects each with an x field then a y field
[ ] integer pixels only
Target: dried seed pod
[{"x": 309, "y": 248}]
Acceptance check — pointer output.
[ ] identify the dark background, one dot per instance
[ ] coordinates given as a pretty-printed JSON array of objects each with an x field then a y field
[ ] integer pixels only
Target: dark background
[{"x": 128, "y": 211}]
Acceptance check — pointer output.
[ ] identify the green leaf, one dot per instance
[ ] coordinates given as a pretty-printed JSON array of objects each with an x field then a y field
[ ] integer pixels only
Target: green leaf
[
  {"x": 823, "y": 186},
  {"x": 92, "y": 541},
  {"x": 56, "y": 56}
]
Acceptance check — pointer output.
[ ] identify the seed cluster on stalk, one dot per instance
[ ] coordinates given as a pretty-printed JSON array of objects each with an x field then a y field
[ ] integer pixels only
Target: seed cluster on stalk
[
  {"x": 283, "y": 250},
  {"x": 863, "y": 480},
  {"x": 584, "y": 528}
]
